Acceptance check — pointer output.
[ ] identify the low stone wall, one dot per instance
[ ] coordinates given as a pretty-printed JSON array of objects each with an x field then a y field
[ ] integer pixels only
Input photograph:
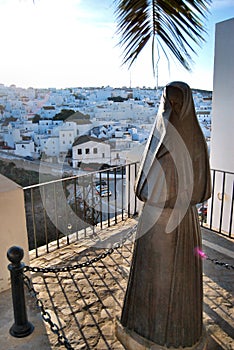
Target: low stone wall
[{"x": 12, "y": 225}]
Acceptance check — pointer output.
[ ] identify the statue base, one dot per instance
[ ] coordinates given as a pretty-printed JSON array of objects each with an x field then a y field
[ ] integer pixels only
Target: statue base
[{"x": 133, "y": 341}]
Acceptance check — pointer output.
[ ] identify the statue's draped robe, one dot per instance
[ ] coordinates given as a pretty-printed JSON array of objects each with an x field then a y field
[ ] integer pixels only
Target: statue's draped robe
[{"x": 163, "y": 301}]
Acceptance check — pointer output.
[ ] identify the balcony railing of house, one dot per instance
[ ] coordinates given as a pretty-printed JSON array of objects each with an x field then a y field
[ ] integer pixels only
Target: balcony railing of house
[{"x": 65, "y": 210}]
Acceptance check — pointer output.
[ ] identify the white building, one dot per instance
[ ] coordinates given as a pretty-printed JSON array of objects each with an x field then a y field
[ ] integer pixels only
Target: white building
[
  {"x": 51, "y": 148},
  {"x": 66, "y": 139},
  {"x": 48, "y": 112},
  {"x": 88, "y": 149},
  {"x": 24, "y": 148},
  {"x": 127, "y": 110},
  {"x": 43, "y": 125},
  {"x": 83, "y": 127},
  {"x": 12, "y": 136}
]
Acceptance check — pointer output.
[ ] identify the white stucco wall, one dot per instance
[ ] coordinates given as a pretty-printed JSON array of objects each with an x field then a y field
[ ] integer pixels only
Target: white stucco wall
[
  {"x": 13, "y": 231},
  {"x": 223, "y": 101},
  {"x": 221, "y": 151}
]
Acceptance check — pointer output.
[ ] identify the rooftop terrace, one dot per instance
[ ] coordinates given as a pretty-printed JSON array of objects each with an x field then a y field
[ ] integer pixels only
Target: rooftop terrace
[
  {"x": 85, "y": 302},
  {"x": 80, "y": 277}
]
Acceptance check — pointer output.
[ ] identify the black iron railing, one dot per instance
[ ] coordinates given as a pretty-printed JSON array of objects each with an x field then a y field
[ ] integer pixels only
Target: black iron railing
[
  {"x": 75, "y": 207},
  {"x": 217, "y": 213}
]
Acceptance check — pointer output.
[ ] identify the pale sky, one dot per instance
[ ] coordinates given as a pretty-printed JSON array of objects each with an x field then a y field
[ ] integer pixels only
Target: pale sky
[{"x": 70, "y": 43}]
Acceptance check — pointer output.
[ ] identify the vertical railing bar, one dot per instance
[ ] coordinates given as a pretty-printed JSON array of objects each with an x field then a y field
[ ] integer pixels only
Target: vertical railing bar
[
  {"x": 202, "y": 214},
  {"x": 56, "y": 215},
  {"x": 93, "y": 223},
  {"x": 45, "y": 221},
  {"x": 66, "y": 204},
  {"x": 100, "y": 183},
  {"x": 212, "y": 199},
  {"x": 122, "y": 187},
  {"x": 129, "y": 179},
  {"x": 84, "y": 204},
  {"x": 76, "y": 208},
  {"x": 108, "y": 197},
  {"x": 34, "y": 224},
  {"x": 115, "y": 191},
  {"x": 222, "y": 202},
  {"x": 135, "y": 197},
  {"x": 231, "y": 213}
]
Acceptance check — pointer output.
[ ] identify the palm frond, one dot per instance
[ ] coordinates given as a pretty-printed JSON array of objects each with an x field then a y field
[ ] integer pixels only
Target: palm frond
[{"x": 175, "y": 24}]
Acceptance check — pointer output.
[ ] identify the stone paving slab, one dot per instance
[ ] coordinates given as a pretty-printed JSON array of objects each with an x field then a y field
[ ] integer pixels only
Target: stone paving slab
[
  {"x": 218, "y": 285},
  {"x": 86, "y": 302}
]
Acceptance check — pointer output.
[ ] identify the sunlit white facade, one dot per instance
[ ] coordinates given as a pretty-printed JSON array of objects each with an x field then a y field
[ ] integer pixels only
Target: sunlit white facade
[{"x": 221, "y": 156}]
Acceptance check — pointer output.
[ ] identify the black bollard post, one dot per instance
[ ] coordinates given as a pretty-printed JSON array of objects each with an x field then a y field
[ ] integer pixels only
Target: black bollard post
[{"x": 21, "y": 327}]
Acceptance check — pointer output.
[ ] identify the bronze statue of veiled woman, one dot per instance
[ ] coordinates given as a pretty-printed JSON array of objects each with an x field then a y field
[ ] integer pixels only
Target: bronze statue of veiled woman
[{"x": 163, "y": 301}]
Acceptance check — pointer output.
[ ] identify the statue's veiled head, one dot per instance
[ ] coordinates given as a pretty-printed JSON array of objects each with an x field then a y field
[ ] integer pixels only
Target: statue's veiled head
[
  {"x": 175, "y": 97},
  {"x": 180, "y": 99}
]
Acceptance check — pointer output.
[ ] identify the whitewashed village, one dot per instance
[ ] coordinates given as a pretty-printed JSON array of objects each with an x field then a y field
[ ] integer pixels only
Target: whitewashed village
[
  {"x": 77, "y": 126},
  {"x": 78, "y": 275}
]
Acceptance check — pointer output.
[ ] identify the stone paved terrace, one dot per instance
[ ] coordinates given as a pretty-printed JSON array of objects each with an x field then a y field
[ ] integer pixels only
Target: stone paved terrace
[{"x": 86, "y": 302}]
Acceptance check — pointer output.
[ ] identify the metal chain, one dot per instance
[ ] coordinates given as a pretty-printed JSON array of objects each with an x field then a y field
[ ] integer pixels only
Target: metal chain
[
  {"x": 103, "y": 255},
  {"x": 220, "y": 263},
  {"x": 45, "y": 314},
  {"x": 89, "y": 262}
]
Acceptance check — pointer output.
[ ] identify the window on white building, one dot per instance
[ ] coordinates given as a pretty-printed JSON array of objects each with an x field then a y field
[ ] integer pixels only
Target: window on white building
[
  {"x": 87, "y": 150},
  {"x": 95, "y": 151},
  {"x": 79, "y": 151},
  {"x": 103, "y": 155}
]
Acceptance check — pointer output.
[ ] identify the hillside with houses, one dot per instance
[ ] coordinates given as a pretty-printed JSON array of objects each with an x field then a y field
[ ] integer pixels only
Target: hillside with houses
[{"x": 74, "y": 126}]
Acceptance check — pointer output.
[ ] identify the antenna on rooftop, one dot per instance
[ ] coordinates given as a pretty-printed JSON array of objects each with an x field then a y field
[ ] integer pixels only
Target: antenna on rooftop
[
  {"x": 156, "y": 68},
  {"x": 157, "y": 76}
]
